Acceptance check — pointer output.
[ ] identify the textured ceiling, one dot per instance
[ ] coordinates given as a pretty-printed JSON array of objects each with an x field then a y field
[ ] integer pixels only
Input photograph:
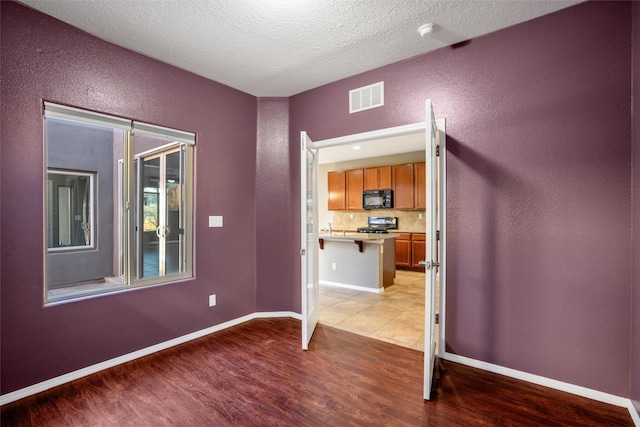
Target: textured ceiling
[
  {"x": 373, "y": 148},
  {"x": 283, "y": 47}
]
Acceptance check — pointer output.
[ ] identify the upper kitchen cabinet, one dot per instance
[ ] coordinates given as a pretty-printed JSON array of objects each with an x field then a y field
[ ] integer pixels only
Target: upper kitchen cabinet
[
  {"x": 337, "y": 191},
  {"x": 371, "y": 179},
  {"x": 420, "y": 196},
  {"x": 377, "y": 178},
  {"x": 355, "y": 185},
  {"x": 403, "y": 179},
  {"x": 385, "y": 181}
]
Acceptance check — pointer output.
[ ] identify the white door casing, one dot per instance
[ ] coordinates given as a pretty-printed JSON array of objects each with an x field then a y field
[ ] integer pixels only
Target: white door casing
[{"x": 440, "y": 134}]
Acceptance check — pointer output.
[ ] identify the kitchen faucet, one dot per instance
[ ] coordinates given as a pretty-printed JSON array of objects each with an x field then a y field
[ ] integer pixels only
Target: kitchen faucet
[{"x": 330, "y": 229}]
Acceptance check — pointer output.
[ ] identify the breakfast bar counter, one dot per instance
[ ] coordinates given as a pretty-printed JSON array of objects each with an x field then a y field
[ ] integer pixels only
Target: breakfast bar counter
[{"x": 362, "y": 261}]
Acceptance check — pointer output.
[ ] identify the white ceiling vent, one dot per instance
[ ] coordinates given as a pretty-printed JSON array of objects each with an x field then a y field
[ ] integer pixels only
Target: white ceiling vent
[{"x": 366, "y": 97}]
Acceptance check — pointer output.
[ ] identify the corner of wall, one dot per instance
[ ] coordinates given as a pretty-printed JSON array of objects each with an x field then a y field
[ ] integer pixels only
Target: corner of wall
[
  {"x": 274, "y": 214},
  {"x": 634, "y": 377}
]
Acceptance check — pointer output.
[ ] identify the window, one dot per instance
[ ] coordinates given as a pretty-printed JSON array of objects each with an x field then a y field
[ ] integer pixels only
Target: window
[
  {"x": 118, "y": 206},
  {"x": 69, "y": 210}
]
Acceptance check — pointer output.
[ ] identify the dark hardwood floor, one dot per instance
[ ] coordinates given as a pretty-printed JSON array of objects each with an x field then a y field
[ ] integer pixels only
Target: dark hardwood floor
[{"x": 255, "y": 374}]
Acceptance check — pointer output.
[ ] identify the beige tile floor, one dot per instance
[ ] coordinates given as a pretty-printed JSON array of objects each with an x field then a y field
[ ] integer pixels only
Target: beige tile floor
[{"x": 395, "y": 316}]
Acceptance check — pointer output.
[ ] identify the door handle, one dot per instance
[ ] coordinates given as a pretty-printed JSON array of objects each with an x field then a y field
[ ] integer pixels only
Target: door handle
[
  {"x": 162, "y": 231},
  {"x": 431, "y": 264}
]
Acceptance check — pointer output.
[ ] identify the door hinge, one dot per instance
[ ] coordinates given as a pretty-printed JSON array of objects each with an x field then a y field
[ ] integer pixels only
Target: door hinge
[
  {"x": 437, "y": 318},
  {"x": 302, "y": 252},
  {"x": 438, "y": 235},
  {"x": 438, "y": 150}
]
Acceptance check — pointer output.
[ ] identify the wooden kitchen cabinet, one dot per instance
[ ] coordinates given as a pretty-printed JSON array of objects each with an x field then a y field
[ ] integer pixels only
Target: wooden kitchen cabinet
[
  {"x": 355, "y": 185},
  {"x": 418, "y": 250},
  {"x": 385, "y": 180},
  {"x": 407, "y": 181},
  {"x": 403, "y": 250},
  {"x": 371, "y": 179},
  {"x": 410, "y": 250},
  {"x": 377, "y": 178},
  {"x": 403, "y": 192},
  {"x": 337, "y": 190},
  {"x": 420, "y": 199}
]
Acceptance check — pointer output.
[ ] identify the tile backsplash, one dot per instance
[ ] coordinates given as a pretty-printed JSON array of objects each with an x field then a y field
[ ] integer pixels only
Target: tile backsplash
[{"x": 407, "y": 220}]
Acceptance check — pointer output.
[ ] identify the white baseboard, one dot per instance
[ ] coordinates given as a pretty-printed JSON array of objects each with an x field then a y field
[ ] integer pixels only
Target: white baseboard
[
  {"x": 634, "y": 414},
  {"x": 274, "y": 314},
  {"x": 355, "y": 287},
  {"x": 71, "y": 376},
  {"x": 548, "y": 382}
]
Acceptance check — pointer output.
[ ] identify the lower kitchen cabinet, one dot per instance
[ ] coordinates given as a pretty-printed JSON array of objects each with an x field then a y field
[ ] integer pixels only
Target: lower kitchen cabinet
[
  {"x": 410, "y": 250},
  {"x": 403, "y": 250},
  {"x": 418, "y": 250}
]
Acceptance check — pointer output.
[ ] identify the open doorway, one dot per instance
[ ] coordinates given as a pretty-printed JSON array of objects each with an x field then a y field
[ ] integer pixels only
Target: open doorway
[
  {"x": 395, "y": 313},
  {"x": 434, "y": 191}
]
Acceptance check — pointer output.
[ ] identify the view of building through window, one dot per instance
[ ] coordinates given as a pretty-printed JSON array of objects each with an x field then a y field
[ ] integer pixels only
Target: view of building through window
[{"x": 69, "y": 209}]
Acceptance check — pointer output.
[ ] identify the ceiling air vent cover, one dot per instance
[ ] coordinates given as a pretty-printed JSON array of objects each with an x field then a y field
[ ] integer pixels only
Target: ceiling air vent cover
[{"x": 366, "y": 97}]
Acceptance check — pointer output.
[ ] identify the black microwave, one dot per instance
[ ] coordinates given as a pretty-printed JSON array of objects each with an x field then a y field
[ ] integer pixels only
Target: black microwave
[{"x": 377, "y": 199}]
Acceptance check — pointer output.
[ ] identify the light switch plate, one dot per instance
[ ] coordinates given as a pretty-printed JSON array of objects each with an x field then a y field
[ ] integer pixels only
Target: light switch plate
[
  {"x": 215, "y": 221},
  {"x": 212, "y": 300}
]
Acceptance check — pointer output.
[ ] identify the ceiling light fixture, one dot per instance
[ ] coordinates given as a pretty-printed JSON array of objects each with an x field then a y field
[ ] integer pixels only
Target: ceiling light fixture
[
  {"x": 425, "y": 29},
  {"x": 356, "y": 147}
]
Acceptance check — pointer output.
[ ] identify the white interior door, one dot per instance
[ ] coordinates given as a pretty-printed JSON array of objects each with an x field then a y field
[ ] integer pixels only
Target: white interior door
[
  {"x": 431, "y": 268},
  {"x": 309, "y": 238}
]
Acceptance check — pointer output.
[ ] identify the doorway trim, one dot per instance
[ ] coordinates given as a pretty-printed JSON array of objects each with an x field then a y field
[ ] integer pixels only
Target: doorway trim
[
  {"x": 374, "y": 134},
  {"x": 395, "y": 131}
]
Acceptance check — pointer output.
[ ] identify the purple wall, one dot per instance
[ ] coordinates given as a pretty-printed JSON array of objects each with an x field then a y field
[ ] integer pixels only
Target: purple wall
[
  {"x": 539, "y": 189},
  {"x": 273, "y": 207},
  {"x": 538, "y": 138},
  {"x": 45, "y": 59},
  {"x": 635, "y": 323}
]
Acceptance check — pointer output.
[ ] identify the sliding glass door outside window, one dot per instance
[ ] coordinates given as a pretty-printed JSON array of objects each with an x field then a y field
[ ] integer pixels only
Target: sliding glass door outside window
[{"x": 160, "y": 213}]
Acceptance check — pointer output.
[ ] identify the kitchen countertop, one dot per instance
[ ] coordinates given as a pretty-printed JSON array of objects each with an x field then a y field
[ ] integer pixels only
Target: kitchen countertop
[
  {"x": 339, "y": 231},
  {"x": 338, "y": 235}
]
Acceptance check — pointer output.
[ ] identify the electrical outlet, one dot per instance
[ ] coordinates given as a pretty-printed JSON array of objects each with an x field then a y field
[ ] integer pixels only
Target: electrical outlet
[
  {"x": 419, "y": 216},
  {"x": 350, "y": 216},
  {"x": 333, "y": 266},
  {"x": 212, "y": 300}
]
